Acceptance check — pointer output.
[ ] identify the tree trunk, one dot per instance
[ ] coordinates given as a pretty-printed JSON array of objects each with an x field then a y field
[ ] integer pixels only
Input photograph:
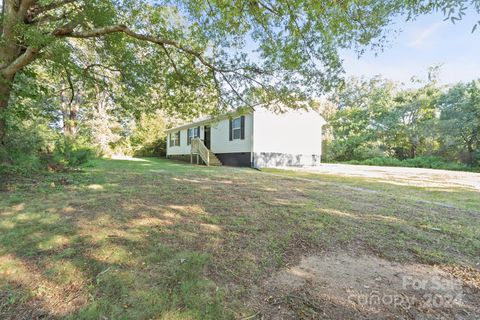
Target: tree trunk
[
  {"x": 414, "y": 145},
  {"x": 413, "y": 151},
  {"x": 5, "y": 89},
  {"x": 69, "y": 115},
  {"x": 471, "y": 154}
]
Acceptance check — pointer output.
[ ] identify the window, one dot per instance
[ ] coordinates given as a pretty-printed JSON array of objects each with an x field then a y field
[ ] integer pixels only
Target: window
[
  {"x": 189, "y": 135},
  {"x": 192, "y": 133},
  {"x": 175, "y": 139},
  {"x": 236, "y": 128}
]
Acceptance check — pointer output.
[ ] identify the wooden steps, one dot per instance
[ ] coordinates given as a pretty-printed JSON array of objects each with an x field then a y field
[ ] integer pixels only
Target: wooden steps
[
  {"x": 214, "y": 161},
  {"x": 202, "y": 153}
]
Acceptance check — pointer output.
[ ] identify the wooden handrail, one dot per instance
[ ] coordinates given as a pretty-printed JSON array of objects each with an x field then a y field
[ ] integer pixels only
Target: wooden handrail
[{"x": 201, "y": 150}]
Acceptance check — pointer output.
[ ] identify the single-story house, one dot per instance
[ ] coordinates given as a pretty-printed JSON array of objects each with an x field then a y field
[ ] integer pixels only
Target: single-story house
[{"x": 255, "y": 138}]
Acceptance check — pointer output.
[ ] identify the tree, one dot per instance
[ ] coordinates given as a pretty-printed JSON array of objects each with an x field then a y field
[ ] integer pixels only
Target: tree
[
  {"x": 461, "y": 116},
  {"x": 358, "y": 125},
  {"x": 415, "y": 110},
  {"x": 192, "y": 54},
  {"x": 148, "y": 137}
]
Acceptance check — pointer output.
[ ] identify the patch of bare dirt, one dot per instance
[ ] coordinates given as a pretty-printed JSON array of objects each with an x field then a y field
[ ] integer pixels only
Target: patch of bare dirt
[{"x": 349, "y": 286}]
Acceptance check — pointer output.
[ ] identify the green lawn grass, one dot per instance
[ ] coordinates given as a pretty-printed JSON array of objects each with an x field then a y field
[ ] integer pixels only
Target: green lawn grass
[{"x": 160, "y": 239}]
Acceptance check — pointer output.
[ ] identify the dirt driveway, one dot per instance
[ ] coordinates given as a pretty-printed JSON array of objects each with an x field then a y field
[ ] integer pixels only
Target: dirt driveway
[
  {"x": 346, "y": 285},
  {"x": 356, "y": 283},
  {"x": 403, "y": 176}
]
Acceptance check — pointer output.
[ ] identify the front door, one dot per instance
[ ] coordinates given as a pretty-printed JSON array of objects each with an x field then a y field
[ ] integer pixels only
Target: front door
[{"x": 206, "y": 137}]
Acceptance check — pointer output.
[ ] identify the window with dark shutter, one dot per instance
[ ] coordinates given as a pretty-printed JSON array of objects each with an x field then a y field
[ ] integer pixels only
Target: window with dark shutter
[
  {"x": 175, "y": 139},
  {"x": 230, "y": 129},
  {"x": 242, "y": 127},
  {"x": 236, "y": 129}
]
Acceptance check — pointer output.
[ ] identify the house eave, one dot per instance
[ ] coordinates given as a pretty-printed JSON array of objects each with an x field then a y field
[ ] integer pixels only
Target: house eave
[
  {"x": 190, "y": 124},
  {"x": 208, "y": 120}
]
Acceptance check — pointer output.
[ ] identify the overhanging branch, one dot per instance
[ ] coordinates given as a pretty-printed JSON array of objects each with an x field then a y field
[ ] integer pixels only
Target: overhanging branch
[
  {"x": 23, "y": 60},
  {"x": 68, "y": 32}
]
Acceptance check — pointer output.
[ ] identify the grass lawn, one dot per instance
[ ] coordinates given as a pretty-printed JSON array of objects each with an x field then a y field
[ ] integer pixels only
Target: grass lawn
[{"x": 159, "y": 239}]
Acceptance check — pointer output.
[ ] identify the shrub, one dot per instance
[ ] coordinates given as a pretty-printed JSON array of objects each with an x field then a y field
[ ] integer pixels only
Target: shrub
[
  {"x": 154, "y": 149},
  {"x": 24, "y": 144},
  {"x": 72, "y": 152},
  {"x": 34, "y": 147}
]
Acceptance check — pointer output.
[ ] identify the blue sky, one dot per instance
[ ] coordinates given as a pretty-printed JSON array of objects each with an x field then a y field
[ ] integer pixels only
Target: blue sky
[{"x": 422, "y": 43}]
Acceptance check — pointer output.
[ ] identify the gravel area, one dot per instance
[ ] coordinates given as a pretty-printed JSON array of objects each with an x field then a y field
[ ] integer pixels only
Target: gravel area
[{"x": 403, "y": 176}]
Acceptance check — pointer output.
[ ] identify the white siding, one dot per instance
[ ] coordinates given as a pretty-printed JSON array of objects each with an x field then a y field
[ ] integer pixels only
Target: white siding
[
  {"x": 183, "y": 148},
  {"x": 290, "y": 138},
  {"x": 220, "y": 142},
  {"x": 219, "y": 138},
  {"x": 293, "y": 138}
]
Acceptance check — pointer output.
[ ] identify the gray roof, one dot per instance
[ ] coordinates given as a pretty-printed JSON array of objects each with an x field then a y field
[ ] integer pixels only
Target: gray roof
[{"x": 203, "y": 120}]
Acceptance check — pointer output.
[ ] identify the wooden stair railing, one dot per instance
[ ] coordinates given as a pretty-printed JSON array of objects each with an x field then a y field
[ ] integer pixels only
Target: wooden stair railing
[{"x": 200, "y": 150}]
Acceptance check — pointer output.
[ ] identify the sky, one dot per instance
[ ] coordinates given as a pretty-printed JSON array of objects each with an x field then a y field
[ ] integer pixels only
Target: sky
[{"x": 425, "y": 42}]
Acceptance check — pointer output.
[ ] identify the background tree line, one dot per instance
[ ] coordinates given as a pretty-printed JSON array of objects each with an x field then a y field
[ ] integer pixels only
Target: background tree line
[
  {"x": 370, "y": 121},
  {"x": 378, "y": 121},
  {"x": 79, "y": 77}
]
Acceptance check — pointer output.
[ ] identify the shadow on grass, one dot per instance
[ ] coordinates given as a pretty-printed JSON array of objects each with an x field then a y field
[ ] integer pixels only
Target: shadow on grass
[{"x": 175, "y": 240}]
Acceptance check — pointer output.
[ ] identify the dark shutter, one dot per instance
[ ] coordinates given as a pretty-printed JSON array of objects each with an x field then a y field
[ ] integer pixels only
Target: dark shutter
[
  {"x": 198, "y": 132},
  {"x": 170, "y": 140},
  {"x": 178, "y": 135},
  {"x": 230, "y": 130},
  {"x": 188, "y": 136},
  {"x": 242, "y": 127}
]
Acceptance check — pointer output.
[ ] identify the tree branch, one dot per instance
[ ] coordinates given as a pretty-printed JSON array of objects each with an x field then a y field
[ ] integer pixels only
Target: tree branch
[
  {"x": 52, "y": 6},
  {"x": 23, "y": 60},
  {"x": 239, "y": 96},
  {"x": 172, "y": 62},
  {"x": 72, "y": 88},
  {"x": 91, "y": 66},
  {"x": 68, "y": 32},
  {"x": 270, "y": 8}
]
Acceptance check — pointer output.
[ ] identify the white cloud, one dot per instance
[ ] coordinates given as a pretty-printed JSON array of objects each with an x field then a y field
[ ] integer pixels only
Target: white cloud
[
  {"x": 401, "y": 69},
  {"x": 422, "y": 35},
  {"x": 425, "y": 42}
]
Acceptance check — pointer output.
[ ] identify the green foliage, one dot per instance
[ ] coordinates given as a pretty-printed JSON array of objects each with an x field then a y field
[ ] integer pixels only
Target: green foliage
[
  {"x": 149, "y": 137},
  {"x": 25, "y": 145},
  {"x": 190, "y": 56},
  {"x": 97, "y": 68},
  {"x": 35, "y": 147},
  {"x": 72, "y": 152},
  {"x": 378, "y": 122},
  {"x": 157, "y": 148},
  {"x": 362, "y": 105},
  {"x": 413, "y": 113},
  {"x": 460, "y": 115}
]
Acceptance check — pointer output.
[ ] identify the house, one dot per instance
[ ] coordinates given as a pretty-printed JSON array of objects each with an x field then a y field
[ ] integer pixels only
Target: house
[{"x": 253, "y": 138}]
